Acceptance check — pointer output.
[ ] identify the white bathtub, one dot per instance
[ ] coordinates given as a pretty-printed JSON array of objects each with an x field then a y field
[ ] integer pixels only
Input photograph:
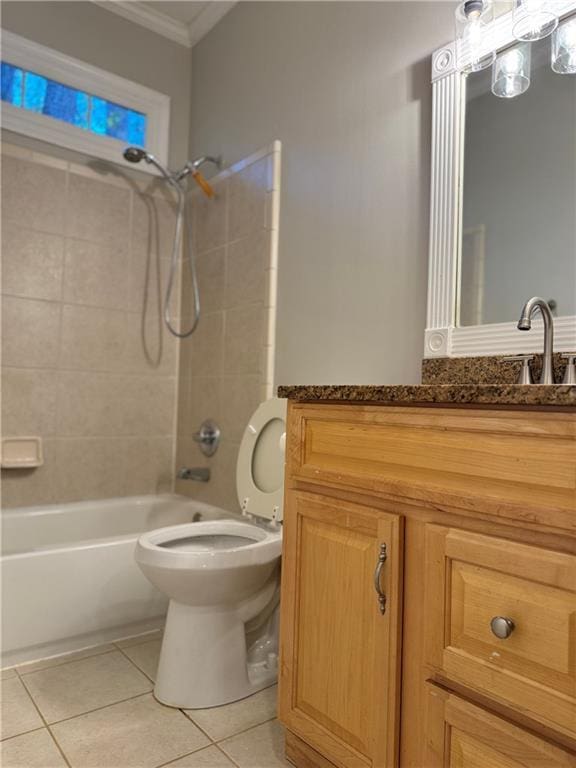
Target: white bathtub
[{"x": 69, "y": 579}]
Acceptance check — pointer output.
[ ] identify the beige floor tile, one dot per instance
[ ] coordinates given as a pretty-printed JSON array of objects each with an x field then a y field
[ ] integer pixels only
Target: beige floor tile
[
  {"x": 80, "y": 686},
  {"x": 211, "y": 757},
  {"x": 32, "y": 750},
  {"x": 260, "y": 747},
  {"x": 145, "y": 637},
  {"x": 221, "y": 722},
  {"x": 140, "y": 733},
  {"x": 18, "y": 711},
  {"x": 145, "y": 656},
  {"x": 55, "y": 661}
]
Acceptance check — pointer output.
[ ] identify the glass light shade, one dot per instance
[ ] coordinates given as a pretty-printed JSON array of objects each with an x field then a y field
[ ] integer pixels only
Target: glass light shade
[
  {"x": 533, "y": 19},
  {"x": 474, "y": 49},
  {"x": 511, "y": 72},
  {"x": 564, "y": 48}
]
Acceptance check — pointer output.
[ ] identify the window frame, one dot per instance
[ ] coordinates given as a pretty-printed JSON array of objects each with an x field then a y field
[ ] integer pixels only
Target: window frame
[{"x": 54, "y": 65}]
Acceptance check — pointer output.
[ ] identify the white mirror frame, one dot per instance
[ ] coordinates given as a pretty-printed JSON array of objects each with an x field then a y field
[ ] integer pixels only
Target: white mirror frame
[{"x": 443, "y": 338}]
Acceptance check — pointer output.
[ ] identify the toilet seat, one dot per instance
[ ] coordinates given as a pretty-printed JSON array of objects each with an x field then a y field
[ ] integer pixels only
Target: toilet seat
[
  {"x": 181, "y": 547},
  {"x": 260, "y": 465}
]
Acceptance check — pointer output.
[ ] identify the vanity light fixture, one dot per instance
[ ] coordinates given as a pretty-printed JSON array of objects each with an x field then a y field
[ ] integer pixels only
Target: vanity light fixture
[
  {"x": 533, "y": 19},
  {"x": 564, "y": 48},
  {"x": 511, "y": 72},
  {"x": 473, "y": 34}
]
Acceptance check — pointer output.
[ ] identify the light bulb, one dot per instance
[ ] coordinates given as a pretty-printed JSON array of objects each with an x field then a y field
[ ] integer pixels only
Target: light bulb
[
  {"x": 511, "y": 72},
  {"x": 512, "y": 62},
  {"x": 564, "y": 48},
  {"x": 474, "y": 34}
]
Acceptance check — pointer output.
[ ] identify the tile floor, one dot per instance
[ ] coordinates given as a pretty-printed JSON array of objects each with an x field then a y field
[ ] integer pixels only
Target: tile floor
[{"x": 95, "y": 709}]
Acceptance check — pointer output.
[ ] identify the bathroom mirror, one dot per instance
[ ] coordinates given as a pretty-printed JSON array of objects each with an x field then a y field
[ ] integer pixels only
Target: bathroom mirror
[
  {"x": 518, "y": 234},
  {"x": 503, "y": 199}
]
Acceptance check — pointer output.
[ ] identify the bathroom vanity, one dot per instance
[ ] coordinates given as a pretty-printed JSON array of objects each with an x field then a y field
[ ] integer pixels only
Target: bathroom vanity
[{"x": 429, "y": 577}]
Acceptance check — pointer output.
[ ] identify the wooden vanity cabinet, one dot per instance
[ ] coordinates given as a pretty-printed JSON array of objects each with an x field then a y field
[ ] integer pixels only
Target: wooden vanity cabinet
[{"x": 456, "y": 516}]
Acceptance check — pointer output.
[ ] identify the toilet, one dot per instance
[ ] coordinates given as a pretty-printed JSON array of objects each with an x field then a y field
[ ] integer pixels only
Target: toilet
[{"x": 222, "y": 578}]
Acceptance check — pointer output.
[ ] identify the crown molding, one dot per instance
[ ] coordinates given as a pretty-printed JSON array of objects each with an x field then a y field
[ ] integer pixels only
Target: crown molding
[
  {"x": 177, "y": 31},
  {"x": 208, "y": 17},
  {"x": 158, "y": 22}
]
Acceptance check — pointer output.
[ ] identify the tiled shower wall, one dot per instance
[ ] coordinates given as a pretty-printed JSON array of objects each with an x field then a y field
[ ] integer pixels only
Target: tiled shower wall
[
  {"x": 87, "y": 364},
  {"x": 227, "y": 366}
]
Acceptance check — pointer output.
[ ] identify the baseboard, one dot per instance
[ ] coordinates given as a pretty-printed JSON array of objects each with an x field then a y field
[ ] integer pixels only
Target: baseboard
[
  {"x": 302, "y": 755},
  {"x": 79, "y": 643}
]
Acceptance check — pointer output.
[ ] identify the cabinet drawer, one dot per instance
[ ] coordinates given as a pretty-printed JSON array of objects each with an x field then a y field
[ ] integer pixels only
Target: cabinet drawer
[
  {"x": 461, "y": 735},
  {"x": 520, "y": 465},
  {"x": 472, "y": 579}
]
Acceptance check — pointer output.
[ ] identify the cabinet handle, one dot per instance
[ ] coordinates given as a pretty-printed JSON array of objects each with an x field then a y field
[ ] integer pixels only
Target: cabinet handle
[
  {"x": 377, "y": 573},
  {"x": 502, "y": 627}
]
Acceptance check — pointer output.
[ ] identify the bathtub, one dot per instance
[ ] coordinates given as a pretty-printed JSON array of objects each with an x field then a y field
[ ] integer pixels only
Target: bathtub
[{"x": 69, "y": 579}]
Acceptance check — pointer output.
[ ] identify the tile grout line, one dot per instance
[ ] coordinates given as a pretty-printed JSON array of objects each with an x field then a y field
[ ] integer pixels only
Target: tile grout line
[
  {"x": 210, "y": 739},
  {"x": 245, "y": 730},
  {"x": 136, "y": 665},
  {"x": 58, "y": 747},
  {"x": 216, "y": 742},
  {"x": 97, "y": 709},
  {"x": 219, "y": 748},
  {"x": 24, "y": 733},
  {"x": 181, "y": 757}
]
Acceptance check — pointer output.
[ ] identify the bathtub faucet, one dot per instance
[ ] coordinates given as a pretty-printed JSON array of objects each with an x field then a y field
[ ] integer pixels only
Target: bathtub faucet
[{"x": 201, "y": 474}]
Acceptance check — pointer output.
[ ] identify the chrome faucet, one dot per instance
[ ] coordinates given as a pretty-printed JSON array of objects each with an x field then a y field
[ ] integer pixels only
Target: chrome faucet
[{"x": 525, "y": 323}]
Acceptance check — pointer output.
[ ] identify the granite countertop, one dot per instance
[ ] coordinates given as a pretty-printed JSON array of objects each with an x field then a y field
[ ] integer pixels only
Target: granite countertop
[{"x": 535, "y": 395}]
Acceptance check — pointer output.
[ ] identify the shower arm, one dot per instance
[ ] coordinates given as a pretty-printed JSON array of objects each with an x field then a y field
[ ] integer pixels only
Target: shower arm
[{"x": 192, "y": 167}]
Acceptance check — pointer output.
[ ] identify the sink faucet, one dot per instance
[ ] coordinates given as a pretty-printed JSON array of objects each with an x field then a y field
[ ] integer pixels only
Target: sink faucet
[{"x": 525, "y": 323}]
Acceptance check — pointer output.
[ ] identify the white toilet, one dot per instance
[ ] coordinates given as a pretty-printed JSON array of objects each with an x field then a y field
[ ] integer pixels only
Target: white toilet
[{"x": 222, "y": 577}]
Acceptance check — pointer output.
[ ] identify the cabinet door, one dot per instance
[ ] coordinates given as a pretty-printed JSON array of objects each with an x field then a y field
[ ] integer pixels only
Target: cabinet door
[
  {"x": 339, "y": 679},
  {"x": 462, "y": 735}
]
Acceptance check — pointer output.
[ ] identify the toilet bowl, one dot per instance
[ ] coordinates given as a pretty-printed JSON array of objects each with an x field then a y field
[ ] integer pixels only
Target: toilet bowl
[{"x": 222, "y": 579}]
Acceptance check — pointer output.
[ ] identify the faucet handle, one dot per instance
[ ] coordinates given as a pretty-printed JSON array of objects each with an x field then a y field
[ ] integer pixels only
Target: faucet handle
[
  {"x": 570, "y": 372},
  {"x": 525, "y": 375}
]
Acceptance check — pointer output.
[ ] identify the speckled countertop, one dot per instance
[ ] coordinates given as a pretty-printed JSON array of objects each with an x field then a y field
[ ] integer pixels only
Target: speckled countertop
[{"x": 534, "y": 395}]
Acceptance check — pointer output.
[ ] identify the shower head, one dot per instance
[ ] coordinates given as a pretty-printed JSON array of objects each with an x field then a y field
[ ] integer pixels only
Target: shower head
[{"x": 135, "y": 155}]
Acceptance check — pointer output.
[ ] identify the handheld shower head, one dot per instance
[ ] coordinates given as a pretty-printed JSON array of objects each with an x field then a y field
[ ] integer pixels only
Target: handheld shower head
[{"x": 135, "y": 155}]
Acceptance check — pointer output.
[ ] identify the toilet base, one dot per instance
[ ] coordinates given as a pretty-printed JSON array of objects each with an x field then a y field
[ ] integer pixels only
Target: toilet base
[{"x": 204, "y": 661}]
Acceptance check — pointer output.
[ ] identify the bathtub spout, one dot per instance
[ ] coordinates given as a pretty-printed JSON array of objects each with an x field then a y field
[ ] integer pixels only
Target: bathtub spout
[{"x": 201, "y": 474}]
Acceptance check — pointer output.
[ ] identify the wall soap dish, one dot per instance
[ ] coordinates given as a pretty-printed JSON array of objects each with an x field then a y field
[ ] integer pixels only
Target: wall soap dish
[{"x": 22, "y": 452}]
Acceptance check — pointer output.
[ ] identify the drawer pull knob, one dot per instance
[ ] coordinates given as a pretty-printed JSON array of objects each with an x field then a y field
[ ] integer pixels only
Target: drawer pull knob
[
  {"x": 502, "y": 627},
  {"x": 377, "y": 574}
]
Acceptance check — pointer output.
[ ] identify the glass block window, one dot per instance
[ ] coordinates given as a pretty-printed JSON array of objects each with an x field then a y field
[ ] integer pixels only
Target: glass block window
[{"x": 39, "y": 94}]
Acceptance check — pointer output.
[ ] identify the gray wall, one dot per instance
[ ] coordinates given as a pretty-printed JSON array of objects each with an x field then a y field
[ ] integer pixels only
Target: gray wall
[
  {"x": 346, "y": 88},
  {"x": 520, "y": 184},
  {"x": 103, "y": 39}
]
